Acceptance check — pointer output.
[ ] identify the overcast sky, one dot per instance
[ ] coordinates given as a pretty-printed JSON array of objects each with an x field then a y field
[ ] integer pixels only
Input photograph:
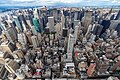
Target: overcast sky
[{"x": 58, "y": 2}]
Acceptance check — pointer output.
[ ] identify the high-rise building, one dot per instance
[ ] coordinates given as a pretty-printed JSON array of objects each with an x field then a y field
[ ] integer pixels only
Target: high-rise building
[
  {"x": 88, "y": 29},
  {"x": 28, "y": 20},
  {"x": 0, "y": 30},
  {"x": 3, "y": 56},
  {"x": 65, "y": 32},
  {"x": 22, "y": 38},
  {"x": 76, "y": 22},
  {"x": 63, "y": 20},
  {"x": 18, "y": 54},
  {"x": 76, "y": 33},
  {"x": 20, "y": 74},
  {"x": 3, "y": 72},
  {"x": 118, "y": 16},
  {"x": 97, "y": 29},
  {"x": 118, "y": 29},
  {"x": 11, "y": 65},
  {"x": 71, "y": 41},
  {"x": 24, "y": 26},
  {"x": 25, "y": 69},
  {"x": 35, "y": 12},
  {"x": 11, "y": 34},
  {"x": 37, "y": 25},
  {"x": 18, "y": 24},
  {"x": 55, "y": 14},
  {"x": 51, "y": 24},
  {"x": 42, "y": 25},
  {"x": 34, "y": 30},
  {"x": 22, "y": 18},
  {"x": 35, "y": 41},
  {"x": 7, "y": 47},
  {"x": 114, "y": 24},
  {"x": 29, "y": 35},
  {"x": 76, "y": 15},
  {"x": 39, "y": 37},
  {"x": 87, "y": 20},
  {"x": 105, "y": 24},
  {"x": 3, "y": 27},
  {"x": 58, "y": 28}
]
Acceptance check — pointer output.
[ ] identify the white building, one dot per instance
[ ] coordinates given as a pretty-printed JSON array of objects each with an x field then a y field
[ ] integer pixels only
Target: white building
[{"x": 70, "y": 47}]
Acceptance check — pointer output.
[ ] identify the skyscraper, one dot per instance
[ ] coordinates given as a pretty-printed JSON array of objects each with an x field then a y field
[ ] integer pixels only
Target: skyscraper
[
  {"x": 7, "y": 47},
  {"x": 11, "y": 65},
  {"x": 29, "y": 35},
  {"x": 20, "y": 74},
  {"x": 11, "y": 34},
  {"x": 55, "y": 14},
  {"x": 63, "y": 20},
  {"x": 22, "y": 38},
  {"x": 76, "y": 33},
  {"x": 28, "y": 20},
  {"x": 18, "y": 24},
  {"x": 118, "y": 16},
  {"x": 58, "y": 28},
  {"x": 3, "y": 72},
  {"x": 51, "y": 24},
  {"x": 87, "y": 20},
  {"x": 18, "y": 54},
  {"x": 37, "y": 25},
  {"x": 113, "y": 24},
  {"x": 65, "y": 32},
  {"x": 105, "y": 24},
  {"x": 24, "y": 26},
  {"x": 71, "y": 41},
  {"x": 76, "y": 15},
  {"x": 35, "y": 41},
  {"x": 118, "y": 29},
  {"x": 35, "y": 12},
  {"x": 97, "y": 29}
]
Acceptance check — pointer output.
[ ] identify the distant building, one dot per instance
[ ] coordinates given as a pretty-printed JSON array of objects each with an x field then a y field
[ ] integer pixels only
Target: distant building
[{"x": 87, "y": 20}]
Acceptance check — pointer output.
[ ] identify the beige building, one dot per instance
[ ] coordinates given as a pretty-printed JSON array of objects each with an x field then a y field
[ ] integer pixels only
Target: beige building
[
  {"x": 7, "y": 47},
  {"x": 11, "y": 65}
]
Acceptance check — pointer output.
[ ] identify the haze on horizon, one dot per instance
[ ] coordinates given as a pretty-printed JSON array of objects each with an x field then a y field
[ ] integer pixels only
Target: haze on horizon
[{"x": 59, "y": 2}]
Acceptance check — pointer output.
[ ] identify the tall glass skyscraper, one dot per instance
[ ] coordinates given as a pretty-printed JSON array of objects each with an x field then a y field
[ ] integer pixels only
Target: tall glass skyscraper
[
  {"x": 18, "y": 23},
  {"x": 37, "y": 25}
]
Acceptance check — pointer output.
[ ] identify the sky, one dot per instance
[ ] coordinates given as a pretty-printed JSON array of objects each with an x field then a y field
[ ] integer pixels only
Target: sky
[{"x": 58, "y": 2}]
